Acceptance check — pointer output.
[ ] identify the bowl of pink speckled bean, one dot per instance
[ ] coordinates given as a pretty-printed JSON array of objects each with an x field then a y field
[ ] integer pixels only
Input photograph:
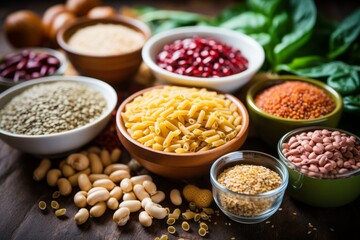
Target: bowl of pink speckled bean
[{"x": 323, "y": 165}]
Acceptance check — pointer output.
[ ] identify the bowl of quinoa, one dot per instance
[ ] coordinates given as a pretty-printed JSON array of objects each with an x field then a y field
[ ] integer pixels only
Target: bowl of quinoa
[
  {"x": 248, "y": 186},
  {"x": 108, "y": 49},
  {"x": 288, "y": 102},
  {"x": 55, "y": 115}
]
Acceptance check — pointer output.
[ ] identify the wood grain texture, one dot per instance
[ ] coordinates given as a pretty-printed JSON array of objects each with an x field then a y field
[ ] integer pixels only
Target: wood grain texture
[{"x": 22, "y": 219}]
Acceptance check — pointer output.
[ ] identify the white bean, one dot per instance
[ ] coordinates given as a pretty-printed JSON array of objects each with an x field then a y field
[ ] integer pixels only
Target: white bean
[
  {"x": 112, "y": 203},
  {"x": 145, "y": 202},
  {"x": 97, "y": 196},
  {"x": 156, "y": 211},
  {"x": 119, "y": 175},
  {"x": 116, "y": 166},
  {"x": 175, "y": 197},
  {"x": 121, "y": 216},
  {"x": 64, "y": 186},
  {"x": 132, "y": 205},
  {"x": 116, "y": 193},
  {"x": 67, "y": 170},
  {"x": 78, "y": 161},
  {"x": 158, "y": 197},
  {"x": 81, "y": 216},
  {"x": 129, "y": 196},
  {"x": 145, "y": 219},
  {"x": 105, "y": 157},
  {"x": 96, "y": 165},
  {"x": 74, "y": 178},
  {"x": 52, "y": 176},
  {"x": 149, "y": 187},
  {"x": 106, "y": 183},
  {"x": 140, "y": 179},
  {"x": 126, "y": 185},
  {"x": 80, "y": 199},
  {"x": 98, "y": 209},
  {"x": 84, "y": 182},
  {"x": 41, "y": 171},
  {"x": 115, "y": 155},
  {"x": 140, "y": 192},
  {"x": 96, "y": 176}
]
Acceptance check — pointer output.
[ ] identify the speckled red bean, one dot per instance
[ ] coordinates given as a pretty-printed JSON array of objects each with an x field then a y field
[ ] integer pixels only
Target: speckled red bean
[
  {"x": 28, "y": 65},
  {"x": 323, "y": 151}
]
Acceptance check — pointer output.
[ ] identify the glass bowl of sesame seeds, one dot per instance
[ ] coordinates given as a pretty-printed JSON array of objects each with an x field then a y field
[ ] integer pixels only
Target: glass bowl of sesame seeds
[
  {"x": 280, "y": 104},
  {"x": 248, "y": 186},
  {"x": 52, "y": 116}
]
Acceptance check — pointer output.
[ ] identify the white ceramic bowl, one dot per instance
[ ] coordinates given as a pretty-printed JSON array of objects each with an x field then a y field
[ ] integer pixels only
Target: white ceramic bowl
[
  {"x": 249, "y": 48},
  {"x": 63, "y": 142}
]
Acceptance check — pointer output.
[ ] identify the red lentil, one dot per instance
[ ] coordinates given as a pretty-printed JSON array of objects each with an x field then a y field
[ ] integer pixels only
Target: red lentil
[{"x": 295, "y": 100}]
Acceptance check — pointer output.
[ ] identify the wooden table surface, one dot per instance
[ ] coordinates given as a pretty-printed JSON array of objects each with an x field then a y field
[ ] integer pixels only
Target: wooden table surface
[{"x": 20, "y": 217}]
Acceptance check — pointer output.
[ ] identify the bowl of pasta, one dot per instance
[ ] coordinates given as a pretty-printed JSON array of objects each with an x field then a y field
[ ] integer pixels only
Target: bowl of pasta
[{"x": 178, "y": 132}]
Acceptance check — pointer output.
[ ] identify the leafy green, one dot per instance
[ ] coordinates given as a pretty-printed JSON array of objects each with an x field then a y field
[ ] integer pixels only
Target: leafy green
[
  {"x": 303, "y": 20},
  {"x": 247, "y": 22},
  {"x": 345, "y": 82},
  {"x": 352, "y": 103},
  {"x": 346, "y": 33},
  {"x": 265, "y": 7}
]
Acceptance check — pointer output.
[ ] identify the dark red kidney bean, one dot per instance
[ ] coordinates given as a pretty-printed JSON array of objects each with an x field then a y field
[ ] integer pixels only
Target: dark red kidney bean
[
  {"x": 28, "y": 65},
  {"x": 201, "y": 57}
]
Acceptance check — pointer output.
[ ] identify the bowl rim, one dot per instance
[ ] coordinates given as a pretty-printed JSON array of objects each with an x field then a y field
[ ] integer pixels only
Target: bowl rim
[
  {"x": 53, "y": 52},
  {"x": 314, "y": 175},
  {"x": 78, "y": 79},
  {"x": 235, "y": 155},
  {"x": 275, "y": 80},
  {"x": 192, "y": 30},
  {"x": 85, "y": 21},
  {"x": 120, "y": 125}
]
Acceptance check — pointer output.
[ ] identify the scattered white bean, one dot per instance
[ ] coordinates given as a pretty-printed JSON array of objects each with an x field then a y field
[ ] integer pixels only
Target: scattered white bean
[
  {"x": 81, "y": 216},
  {"x": 175, "y": 197},
  {"x": 121, "y": 216},
  {"x": 52, "y": 176},
  {"x": 145, "y": 219},
  {"x": 41, "y": 171}
]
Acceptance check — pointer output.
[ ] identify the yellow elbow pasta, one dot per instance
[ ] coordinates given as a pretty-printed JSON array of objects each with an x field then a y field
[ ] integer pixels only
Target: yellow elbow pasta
[{"x": 182, "y": 119}]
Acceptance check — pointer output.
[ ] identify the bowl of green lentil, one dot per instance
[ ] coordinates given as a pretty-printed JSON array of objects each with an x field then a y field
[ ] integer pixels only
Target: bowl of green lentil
[
  {"x": 280, "y": 104},
  {"x": 248, "y": 186},
  {"x": 53, "y": 116}
]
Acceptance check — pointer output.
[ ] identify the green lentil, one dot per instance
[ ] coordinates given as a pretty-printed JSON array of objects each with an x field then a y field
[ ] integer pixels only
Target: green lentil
[{"x": 52, "y": 108}]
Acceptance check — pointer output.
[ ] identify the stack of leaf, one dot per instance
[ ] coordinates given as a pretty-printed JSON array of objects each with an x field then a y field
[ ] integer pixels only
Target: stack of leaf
[{"x": 295, "y": 37}]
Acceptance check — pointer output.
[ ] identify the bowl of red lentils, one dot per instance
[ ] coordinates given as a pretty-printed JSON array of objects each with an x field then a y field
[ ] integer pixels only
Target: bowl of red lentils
[
  {"x": 323, "y": 165},
  {"x": 280, "y": 104},
  {"x": 248, "y": 186},
  {"x": 203, "y": 56}
]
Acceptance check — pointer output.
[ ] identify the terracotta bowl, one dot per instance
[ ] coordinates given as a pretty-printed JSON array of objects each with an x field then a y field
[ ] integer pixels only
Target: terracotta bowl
[
  {"x": 113, "y": 69},
  {"x": 178, "y": 165}
]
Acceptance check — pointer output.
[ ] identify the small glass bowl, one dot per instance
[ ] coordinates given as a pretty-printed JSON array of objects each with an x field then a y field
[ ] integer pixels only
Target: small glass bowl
[{"x": 248, "y": 208}]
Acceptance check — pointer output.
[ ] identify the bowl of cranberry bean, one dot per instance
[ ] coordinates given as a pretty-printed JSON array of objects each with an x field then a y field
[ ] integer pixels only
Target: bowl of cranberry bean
[
  {"x": 323, "y": 165},
  {"x": 280, "y": 104},
  {"x": 203, "y": 56},
  {"x": 30, "y": 63}
]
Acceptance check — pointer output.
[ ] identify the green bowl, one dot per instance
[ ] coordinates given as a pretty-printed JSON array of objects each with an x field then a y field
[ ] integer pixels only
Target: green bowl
[
  {"x": 271, "y": 128},
  {"x": 320, "y": 190}
]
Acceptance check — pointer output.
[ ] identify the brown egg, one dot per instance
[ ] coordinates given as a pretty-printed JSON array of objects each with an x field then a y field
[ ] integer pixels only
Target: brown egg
[
  {"x": 60, "y": 20},
  {"x": 49, "y": 16},
  {"x": 101, "y": 12},
  {"x": 81, "y": 7},
  {"x": 23, "y": 28}
]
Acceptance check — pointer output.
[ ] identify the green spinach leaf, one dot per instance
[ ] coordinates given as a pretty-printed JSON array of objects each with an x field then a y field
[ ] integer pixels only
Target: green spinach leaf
[
  {"x": 266, "y": 7},
  {"x": 345, "y": 34},
  {"x": 247, "y": 22},
  {"x": 345, "y": 82},
  {"x": 352, "y": 103},
  {"x": 303, "y": 14}
]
